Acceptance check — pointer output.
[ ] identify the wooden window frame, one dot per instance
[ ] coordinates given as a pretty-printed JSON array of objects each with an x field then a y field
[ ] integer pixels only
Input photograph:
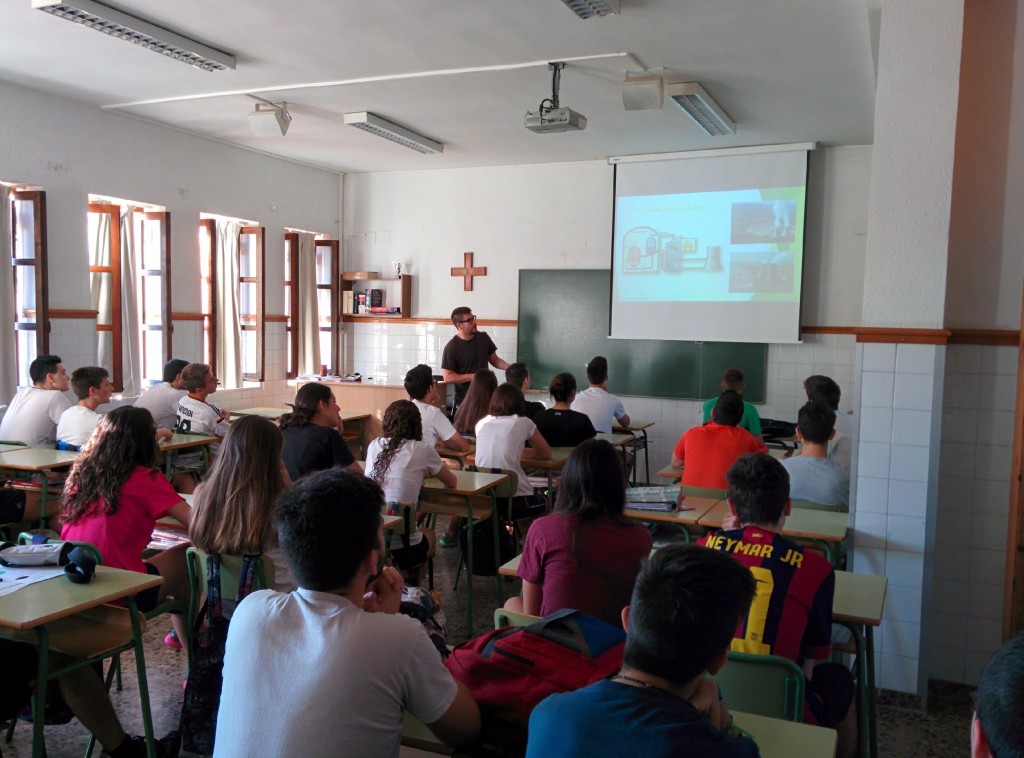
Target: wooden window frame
[
  {"x": 291, "y": 283},
  {"x": 41, "y": 325},
  {"x": 259, "y": 280},
  {"x": 164, "y": 219},
  {"x": 114, "y": 270},
  {"x": 334, "y": 286}
]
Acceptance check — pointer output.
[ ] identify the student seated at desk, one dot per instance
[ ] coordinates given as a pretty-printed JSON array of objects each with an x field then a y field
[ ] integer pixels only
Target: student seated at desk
[
  {"x": 33, "y": 413},
  {"x": 329, "y": 669},
  {"x": 586, "y": 554},
  {"x": 814, "y": 476},
  {"x": 684, "y": 609},
  {"x": 823, "y": 389},
  {"x": 162, "y": 399},
  {"x": 92, "y": 387},
  {"x": 519, "y": 375},
  {"x": 732, "y": 380},
  {"x": 233, "y": 510},
  {"x": 596, "y": 401},
  {"x": 501, "y": 440},
  {"x": 311, "y": 438},
  {"x": 113, "y": 498},
  {"x": 996, "y": 729},
  {"x": 706, "y": 452},
  {"x": 791, "y": 615},
  {"x": 85, "y": 695},
  {"x": 422, "y": 390},
  {"x": 476, "y": 402},
  {"x": 560, "y": 425},
  {"x": 398, "y": 461}
]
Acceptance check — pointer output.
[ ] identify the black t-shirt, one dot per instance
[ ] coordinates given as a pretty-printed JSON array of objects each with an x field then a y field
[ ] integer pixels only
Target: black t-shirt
[
  {"x": 564, "y": 428},
  {"x": 467, "y": 357},
  {"x": 310, "y": 448},
  {"x": 533, "y": 408}
]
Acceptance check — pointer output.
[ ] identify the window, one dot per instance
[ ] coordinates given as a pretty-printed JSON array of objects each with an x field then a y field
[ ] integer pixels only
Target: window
[
  {"x": 231, "y": 259},
  {"x": 129, "y": 273},
  {"x": 28, "y": 259},
  {"x": 306, "y": 312}
]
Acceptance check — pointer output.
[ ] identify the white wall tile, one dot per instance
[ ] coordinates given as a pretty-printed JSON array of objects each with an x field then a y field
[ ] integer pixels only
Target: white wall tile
[
  {"x": 961, "y": 390},
  {"x": 898, "y": 673},
  {"x": 905, "y": 533},
  {"x": 879, "y": 356},
  {"x": 951, "y": 562},
  {"x": 915, "y": 359},
  {"x": 911, "y": 427},
  {"x": 871, "y": 529},
  {"x": 959, "y": 425},
  {"x": 872, "y": 495},
  {"x": 876, "y": 389},
  {"x": 984, "y": 635},
  {"x": 995, "y": 427},
  {"x": 993, "y": 462},
  {"x": 951, "y": 594},
  {"x": 913, "y": 391},
  {"x": 876, "y": 425},
  {"x": 908, "y": 498},
  {"x": 909, "y": 463},
  {"x": 868, "y": 560},
  {"x": 947, "y": 663},
  {"x": 901, "y": 638},
  {"x": 904, "y": 569},
  {"x": 986, "y": 602},
  {"x": 873, "y": 459},
  {"x": 988, "y": 566},
  {"x": 902, "y": 603},
  {"x": 964, "y": 359},
  {"x": 1001, "y": 359}
]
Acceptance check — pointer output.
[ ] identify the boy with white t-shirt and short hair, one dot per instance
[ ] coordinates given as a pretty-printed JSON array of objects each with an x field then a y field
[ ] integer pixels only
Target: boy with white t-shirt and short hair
[
  {"x": 93, "y": 388},
  {"x": 162, "y": 400},
  {"x": 34, "y": 412},
  {"x": 596, "y": 401},
  {"x": 422, "y": 390}
]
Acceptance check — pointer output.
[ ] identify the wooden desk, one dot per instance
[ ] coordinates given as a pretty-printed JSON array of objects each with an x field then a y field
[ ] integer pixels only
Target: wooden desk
[
  {"x": 47, "y": 607},
  {"x": 353, "y": 426},
  {"x": 468, "y": 485},
  {"x": 634, "y": 427},
  {"x": 180, "y": 441},
  {"x": 462, "y": 456},
  {"x": 272, "y": 414},
  {"x": 857, "y": 605},
  {"x": 31, "y": 460}
]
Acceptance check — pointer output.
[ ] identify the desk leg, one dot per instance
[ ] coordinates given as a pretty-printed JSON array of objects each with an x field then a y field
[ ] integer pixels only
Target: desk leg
[
  {"x": 39, "y": 696},
  {"x": 469, "y": 569},
  {"x": 140, "y": 667},
  {"x": 869, "y": 665},
  {"x": 497, "y": 524},
  {"x": 865, "y": 696}
]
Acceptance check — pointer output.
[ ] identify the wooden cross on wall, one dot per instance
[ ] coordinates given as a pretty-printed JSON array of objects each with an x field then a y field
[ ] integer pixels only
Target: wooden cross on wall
[{"x": 468, "y": 271}]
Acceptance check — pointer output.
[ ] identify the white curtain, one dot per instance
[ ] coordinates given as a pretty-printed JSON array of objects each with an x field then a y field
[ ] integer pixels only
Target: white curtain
[
  {"x": 306, "y": 329},
  {"x": 100, "y": 285},
  {"x": 228, "y": 350},
  {"x": 8, "y": 346},
  {"x": 131, "y": 334}
]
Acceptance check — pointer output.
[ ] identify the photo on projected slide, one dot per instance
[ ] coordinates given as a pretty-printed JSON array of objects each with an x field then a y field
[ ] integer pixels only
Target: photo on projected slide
[
  {"x": 771, "y": 221},
  {"x": 761, "y": 272}
]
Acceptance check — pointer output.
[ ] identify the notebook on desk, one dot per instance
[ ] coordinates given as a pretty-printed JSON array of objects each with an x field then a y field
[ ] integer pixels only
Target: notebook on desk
[{"x": 652, "y": 498}]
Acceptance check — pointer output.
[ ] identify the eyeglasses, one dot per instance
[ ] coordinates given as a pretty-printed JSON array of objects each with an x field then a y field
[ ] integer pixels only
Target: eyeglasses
[{"x": 467, "y": 320}]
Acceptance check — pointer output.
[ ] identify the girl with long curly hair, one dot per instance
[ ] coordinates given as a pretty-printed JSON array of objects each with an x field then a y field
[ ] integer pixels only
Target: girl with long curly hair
[
  {"x": 398, "y": 461},
  {"x": 233, "y": 510},
  {"x": 586, "y": 554},
  {"x": 113, "y": 497}
]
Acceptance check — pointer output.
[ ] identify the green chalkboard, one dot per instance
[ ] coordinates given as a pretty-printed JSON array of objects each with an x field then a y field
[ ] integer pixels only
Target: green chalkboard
[{"x": 563, "y": 323}]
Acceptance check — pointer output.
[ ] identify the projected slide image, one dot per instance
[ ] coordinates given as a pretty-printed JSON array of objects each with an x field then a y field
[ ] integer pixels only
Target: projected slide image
[
  {"x": 767, "y": 221},
  {"x": 648, "y": 251},
  {"x": 761, "y": 272},
  {"x": 642, "y": 252}
]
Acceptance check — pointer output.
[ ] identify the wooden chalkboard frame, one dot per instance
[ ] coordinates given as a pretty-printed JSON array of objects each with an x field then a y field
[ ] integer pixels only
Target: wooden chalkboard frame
[{"x": 563, "y": 323}]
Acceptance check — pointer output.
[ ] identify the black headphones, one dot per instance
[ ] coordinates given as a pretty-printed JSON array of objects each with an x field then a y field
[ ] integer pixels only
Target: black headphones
[{"x": 81, "y": 566}]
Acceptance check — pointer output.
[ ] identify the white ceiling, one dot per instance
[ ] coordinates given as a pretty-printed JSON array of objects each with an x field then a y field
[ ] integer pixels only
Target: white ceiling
[{"x": 784, "y": 70}]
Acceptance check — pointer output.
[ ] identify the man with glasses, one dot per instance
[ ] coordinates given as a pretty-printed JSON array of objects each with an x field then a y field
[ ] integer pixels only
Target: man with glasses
[{"x": 469, "y": 351}]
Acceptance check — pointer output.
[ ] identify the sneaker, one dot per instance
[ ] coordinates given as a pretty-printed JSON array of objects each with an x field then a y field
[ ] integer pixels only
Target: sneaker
[
  {"x": 449, "y": 540},
  {"x": 134, "y": 746},
  {"x": 172, "y": 641}
]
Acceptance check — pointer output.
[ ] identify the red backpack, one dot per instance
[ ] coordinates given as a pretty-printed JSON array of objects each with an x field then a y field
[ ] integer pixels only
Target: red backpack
[{"x": 512, "y": 669}]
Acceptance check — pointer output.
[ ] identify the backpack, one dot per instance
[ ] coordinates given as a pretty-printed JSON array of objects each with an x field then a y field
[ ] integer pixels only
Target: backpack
[
  {"x": 512, "y": 669},
  {"x": 206, "y": 676},
  {"x": 425, "y": 606},
  {"x": 484, "y": 562},
  {"x": 773, "y": 429}
]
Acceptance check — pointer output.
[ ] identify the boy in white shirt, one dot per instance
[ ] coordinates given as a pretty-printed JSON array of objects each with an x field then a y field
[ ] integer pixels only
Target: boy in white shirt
[
  {"x": 93, "y": 388},
  {"x": 162, "y": 400},
  {"x": 33, "y": 414},
  {"x": 422, "y": 390},
  {"x": 597, "y": 402}
]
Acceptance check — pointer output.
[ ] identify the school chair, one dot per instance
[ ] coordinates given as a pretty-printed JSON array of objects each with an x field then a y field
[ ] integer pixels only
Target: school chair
[
  {"x": 504, "y": 617},
  {"x": 767, "y": 685},
  {"x": 67, "y": 447}
]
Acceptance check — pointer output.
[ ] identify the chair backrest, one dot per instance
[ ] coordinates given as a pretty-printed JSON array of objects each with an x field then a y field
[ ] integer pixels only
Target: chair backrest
[
  {"x": 767, "y": 685},
  {"x": 504, "y": 617},
  {"x": 230, "y": 568}
]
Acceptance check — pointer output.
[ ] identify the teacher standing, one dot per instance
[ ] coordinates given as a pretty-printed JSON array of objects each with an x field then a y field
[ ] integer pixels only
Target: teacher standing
[{"x": 469, "y": 351}]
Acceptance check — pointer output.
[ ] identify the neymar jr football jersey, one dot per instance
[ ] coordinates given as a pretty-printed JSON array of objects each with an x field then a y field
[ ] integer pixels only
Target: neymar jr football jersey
[{"x": 791, "y": 614}]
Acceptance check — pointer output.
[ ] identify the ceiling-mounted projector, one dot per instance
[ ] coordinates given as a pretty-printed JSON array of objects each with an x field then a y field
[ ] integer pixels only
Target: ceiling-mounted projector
[
  {"x": 554, "y": 120},
  {"x": 549, "y": 117}
]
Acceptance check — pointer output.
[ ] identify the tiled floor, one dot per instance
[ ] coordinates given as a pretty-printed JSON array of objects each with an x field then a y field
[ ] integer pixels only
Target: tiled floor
[{"x": 943, "y": 731}]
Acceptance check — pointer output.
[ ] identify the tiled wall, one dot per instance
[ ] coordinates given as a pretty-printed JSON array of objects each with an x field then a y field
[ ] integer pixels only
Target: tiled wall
[
  {"x": 900, "y": 402},
  {"x": 973, "y": 510}
]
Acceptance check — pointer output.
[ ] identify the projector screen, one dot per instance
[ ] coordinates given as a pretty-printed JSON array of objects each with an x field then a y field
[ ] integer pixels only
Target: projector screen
[{"x": 709, "y": 248}]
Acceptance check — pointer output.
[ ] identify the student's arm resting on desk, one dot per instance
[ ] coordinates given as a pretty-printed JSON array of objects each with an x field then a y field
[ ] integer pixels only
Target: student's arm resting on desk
[
  {"x": 624, "y": 419},
  {"x": 539, "y": 447},
  {"x": 461, "y": 722},
  {"x": 181, "y": 512},
  {"x": 679, "y": 453},
  {"x": 447, "y": 476},
  {"x": 457, "y": 442}
]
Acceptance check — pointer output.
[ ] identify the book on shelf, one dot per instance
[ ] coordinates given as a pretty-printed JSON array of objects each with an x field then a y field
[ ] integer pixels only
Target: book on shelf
[{"x": 348, "y": 301}]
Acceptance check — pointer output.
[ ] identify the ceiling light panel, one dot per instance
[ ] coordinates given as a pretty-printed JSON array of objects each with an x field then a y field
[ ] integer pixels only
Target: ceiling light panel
[
  {"x": 131, "y": 29},
  {"x": 371, "y": 122},
  {"x": 591, "y": 8},
  {"x": 701, "y": 107}
]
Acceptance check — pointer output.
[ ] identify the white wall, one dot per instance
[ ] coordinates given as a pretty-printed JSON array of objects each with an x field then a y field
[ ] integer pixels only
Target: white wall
[{"x": 71, "y": 150}]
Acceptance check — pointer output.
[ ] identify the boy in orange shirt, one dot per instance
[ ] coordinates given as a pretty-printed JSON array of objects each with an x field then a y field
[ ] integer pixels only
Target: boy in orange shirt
[{"x": 706, "y": 452}]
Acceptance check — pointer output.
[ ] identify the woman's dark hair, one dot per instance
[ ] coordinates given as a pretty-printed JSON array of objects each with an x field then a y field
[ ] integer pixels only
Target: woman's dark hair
[
  {"x": 124, "y": 438},
  {"x": 563, "y": 386},
  {"x": 478, "y": 399},
  {"x": 401, "y": 422},
  {"x": 592, "y": 487},
  {"x": 507, "y": 400},
  {"x": 306, "y": 405},
  {"x": 234, "y": 507}
]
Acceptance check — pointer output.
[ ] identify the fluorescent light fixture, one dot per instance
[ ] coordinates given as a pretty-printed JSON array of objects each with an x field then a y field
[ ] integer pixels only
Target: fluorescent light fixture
[
  {"x": 701, "y": 107},
  {"x": 371, "y": 122},
  {"x": 131, "y": 29},
  {"x": 270, "y": 119},
  {"x": 643, "y": 90},
  {"x": 591, "y": 8}
]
